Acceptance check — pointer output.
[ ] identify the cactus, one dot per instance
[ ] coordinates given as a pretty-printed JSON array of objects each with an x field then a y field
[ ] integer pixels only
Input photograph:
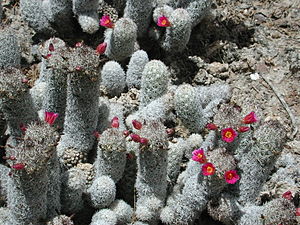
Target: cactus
[
  {"x": 135, "y": 69},
  {"x": 178, "y": 34},
  {"x": 28, "y": 204},
  {"x": 16, "y": 103},
  {"x": 120, "y": 40},
  {"x": 155, "y": 80},
  {"x": 10, "y": 54},
  {"x": 82, "y": 101},
  {"x": 113, "y": 78},
  {"x": 140, "y": 12}
]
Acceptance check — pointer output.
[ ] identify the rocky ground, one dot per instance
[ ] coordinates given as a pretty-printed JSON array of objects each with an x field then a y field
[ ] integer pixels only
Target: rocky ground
[{"x": 252, "y": 45}]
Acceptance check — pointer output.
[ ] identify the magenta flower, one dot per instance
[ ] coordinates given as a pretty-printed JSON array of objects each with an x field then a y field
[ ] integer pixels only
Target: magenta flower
[
  {"x": 51, "y": 47},
  {"x": 297, "y": 211},
  {"x": 231, "y": 176},
  {"x": 250, "y": 118},
  {"x": 126, "y": 133},
  {"x": 163, "y": 22},
  {"x": 211, "y": 126},
  {"x": 208, "y": 169},
  {"x": 18, "y": 166},
  {"x": 243, "y": 129},
  {"x": 96, "y": 134},
  {"x": 50, "y": 117},
  {"x": 105, "y": 21},
  {"x": 135, "y": 137},
  {"x": 136, "y": 124},
  {"x": 287, "y": 195},
  {"x": 101, "y": 48},
  {"x": 198, "y": 156},
  {"x": 115, "y": 122},
  {"x": 144, "y": 141},
  {"x": 228, "y": 134}
]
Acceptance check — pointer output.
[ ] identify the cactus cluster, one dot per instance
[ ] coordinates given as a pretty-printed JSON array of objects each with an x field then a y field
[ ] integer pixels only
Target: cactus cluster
[{"x": 78, "y": 148}]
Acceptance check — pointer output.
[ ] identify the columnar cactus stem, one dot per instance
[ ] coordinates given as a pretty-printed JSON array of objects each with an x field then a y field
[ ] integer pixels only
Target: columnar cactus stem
[
  {"x": 15, "y": 102},
  {"x": 155, "y": 81},
  {"x": 178, "y": 34},
  {"x": 10, "y": 54},
  {"x": 140, "y": 12},
  {"x": 259, "y": 161},
  {"x": 151, "y": 182},
  {"x": 120, "y": 40},
  {"x": 28, "y": 185},
  {"x": 82, "y": 101},
  {"x": 111, "y": 154},
  {"x": 56, "y": 79}
]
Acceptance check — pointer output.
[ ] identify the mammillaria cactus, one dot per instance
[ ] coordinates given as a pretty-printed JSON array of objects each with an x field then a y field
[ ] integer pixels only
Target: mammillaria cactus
[
  {"x": 16, "y": 102},
  {"x": 10, "y": 54},
  {"x": 121, "y": 39},
  {"x": 28, "y": 204},
  {"x": 126, "y": 138},
  {"x": 140, "y": 12}
]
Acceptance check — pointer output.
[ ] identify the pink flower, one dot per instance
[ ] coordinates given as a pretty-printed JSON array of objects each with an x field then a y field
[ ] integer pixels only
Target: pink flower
[
  {"x": 144, "y": 141},
  {"x": 243, "y": 129},
  {"x": 79, "y": 44},
  {"x": 163, "y": 22},
  {"x": 50, "y": 117},
  {"x": 105, "y": 21},
  {"x": 51, "y": 47},
  {"x": 198, "y": 156},
  {"x": 170, "y": 131},
  {"x": 297, "y": 211},
  {"x": 211, "y": 126},
  {"x": 135, "y": 137},
  {"x": 96, "y": 134},
  {"x": 136, "y": 124},
  {"x": 23, "y": 127},
  {"x": 18, "y": 166},
  {"x": 287, "y": 195},
  {"x": 78, "y": 68},
  {"x": 250, "y": 118},
  {"x": 228, "y": 134},
  {"x": 231, "y": 176},
  {"x": 208, "y": 169},
  {"x": 47, "y": 56},
  {"x": 101, "y": 48},
  {"x": 126, "y": 133},
  {"x": 115, "y": 122}
]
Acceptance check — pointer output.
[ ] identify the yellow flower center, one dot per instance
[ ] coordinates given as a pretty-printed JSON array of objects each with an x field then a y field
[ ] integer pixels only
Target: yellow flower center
[
  {"x": 229, "y": 176},
  {"x": 107, "y": 21},
  {"x": 163, "y": 22},
  {"x": 228, "y": 134},
  {"x": 209, "y": 169},
  {"x": 199, "y": 156}
]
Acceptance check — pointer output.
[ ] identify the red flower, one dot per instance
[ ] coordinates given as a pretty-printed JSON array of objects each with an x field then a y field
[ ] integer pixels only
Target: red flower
[
  {"x": 101, "y": 48},
  {"x": 228, "y": 135},
  {"x": 47, "y": 56},
  {"x": 287, "y": 195},
  {"x": 250, "y": 118},
  {"x": 96, "y": 134},
  {"x": 136, "y": 124},
  {"x": 51, "y": 47},
  {"x": 163, "y": 22},
  {"x": 208, "y": 169},
  {"x": 23, "y": 127},
  {"x": 115, "y": 122},
  {"x": 297, "y": 211},
  {"x": 105, "y": 21},
  {"x": 231, "y": 176},
  {"x": 18, "y": 166},
  {"x": 79, "y": 44},
  {"x": 198, "y": 156},
  {"x": 126, "y": 133},
  {"x": 243, "y": 129},
  {"x": 144, "y": 141},
  {"x": 50, "y": 117},
  {"x": 135, "y": 137},
  {"x": 211, "y": 126}
]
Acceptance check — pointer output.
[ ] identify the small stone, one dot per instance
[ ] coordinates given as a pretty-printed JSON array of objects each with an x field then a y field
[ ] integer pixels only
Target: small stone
[{"x": 254, "y": 76}]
